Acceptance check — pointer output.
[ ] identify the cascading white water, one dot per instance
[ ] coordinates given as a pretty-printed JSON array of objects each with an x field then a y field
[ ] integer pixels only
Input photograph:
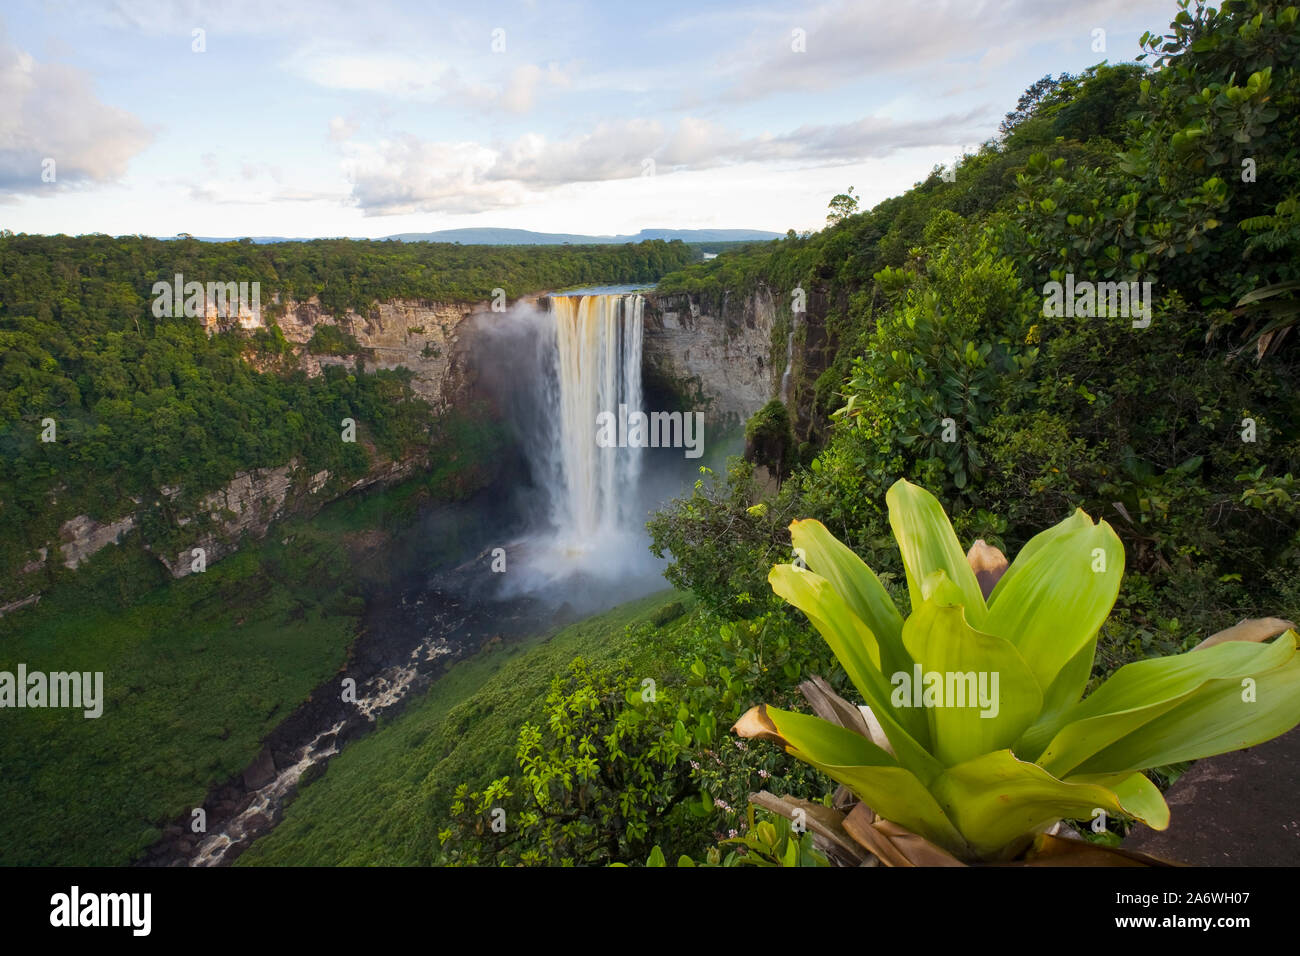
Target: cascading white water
[
  {"x": 787, "y": 377},
  {"x": 565, "y": 369},
  {"x": 597, "y": 367}
]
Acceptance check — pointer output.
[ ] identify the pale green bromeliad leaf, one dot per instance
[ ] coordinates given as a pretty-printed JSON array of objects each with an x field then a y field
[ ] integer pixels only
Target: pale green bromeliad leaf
[
  {"x": 1072, "y": 679},
  {"x": 1039, "y": 628},
  {"x": 1214, "y": 720},
  {"x": 1130, "y": 713},
  {"x": 1137, "y": 794},
  {"x": 891, "y": 790},
  {"x": 1056, "y": 595},
  {"x": 1070, "y": 683},
  {"x": 857, "y": 584},
  {"x": 1079, "y": 519},
  {"x": 858, "y": 652},
  {"x": 928, "y": 544},
  {"x": 941, "y": 641},
  {"x": 998, "y": 801},
  {"x": 852, "y": 641}
]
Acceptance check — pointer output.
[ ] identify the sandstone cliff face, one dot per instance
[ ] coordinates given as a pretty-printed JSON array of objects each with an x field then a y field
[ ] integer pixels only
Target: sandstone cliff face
[
  {"x": 245, "y": 507},
  {"x": 720, "y": 350},
  {"x": 82, "y": 536},
  {"x": 253, "y": 500},
  {"x": 426, "y": 337}
]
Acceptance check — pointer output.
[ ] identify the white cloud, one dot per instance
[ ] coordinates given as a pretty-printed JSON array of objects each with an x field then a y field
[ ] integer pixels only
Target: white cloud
[
  {"x": 405, "y": 174},
  {"x": 610, "y": 151},
  {"x": 848, "y": 41},
  {"x": 50, "y": 111},
  {"x": 425, "y": 80},
  {"x": 342, "y": 129},
  {"x": 386, "y": 73},
  {"x": 870, "y": 138}
]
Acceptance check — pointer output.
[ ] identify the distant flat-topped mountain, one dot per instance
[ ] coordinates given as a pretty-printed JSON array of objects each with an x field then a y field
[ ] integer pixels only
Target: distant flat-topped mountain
[
  {"x": 521, "y": 237},
  {"x": 526, "y": 237}
]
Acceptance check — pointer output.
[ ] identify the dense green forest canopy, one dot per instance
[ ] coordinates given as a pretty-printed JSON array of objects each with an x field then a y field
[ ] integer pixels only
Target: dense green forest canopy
[{"x": 111, "y": 278}]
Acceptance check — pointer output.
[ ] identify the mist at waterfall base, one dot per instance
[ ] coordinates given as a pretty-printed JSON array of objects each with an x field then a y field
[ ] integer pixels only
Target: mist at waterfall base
[{"x": 553, "y": 367}]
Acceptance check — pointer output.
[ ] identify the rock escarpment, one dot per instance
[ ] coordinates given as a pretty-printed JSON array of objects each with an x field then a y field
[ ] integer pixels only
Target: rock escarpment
[
  {"x": 247, "y": 505},
  {"x": 429, "y": 338},
  {"x": 713, "y": 351}
]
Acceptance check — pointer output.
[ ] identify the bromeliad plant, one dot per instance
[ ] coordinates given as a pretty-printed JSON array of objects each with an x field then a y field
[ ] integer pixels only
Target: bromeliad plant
[{"x": 979, "y": 779}]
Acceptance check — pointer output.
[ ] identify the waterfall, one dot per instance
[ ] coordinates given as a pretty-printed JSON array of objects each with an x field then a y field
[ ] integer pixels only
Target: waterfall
[
  {"x": 595, "y": 357},
  {"x": 787, "y": 376}
]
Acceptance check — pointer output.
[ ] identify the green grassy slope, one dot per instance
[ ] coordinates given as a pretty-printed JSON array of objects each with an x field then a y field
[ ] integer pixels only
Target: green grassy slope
[
  {"x": 380, "y": 801},
  {"x": 196, "y": 673}
]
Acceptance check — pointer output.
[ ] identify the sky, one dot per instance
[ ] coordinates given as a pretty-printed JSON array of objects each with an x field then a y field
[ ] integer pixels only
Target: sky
[{"x": 365, "y": 119}]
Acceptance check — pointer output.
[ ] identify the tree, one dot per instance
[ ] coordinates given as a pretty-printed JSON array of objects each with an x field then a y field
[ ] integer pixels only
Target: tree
[
  {"x": 1030, "y": 100},
  {"x": 600, "y": 779},
  {"x": 841, "y": 207}
]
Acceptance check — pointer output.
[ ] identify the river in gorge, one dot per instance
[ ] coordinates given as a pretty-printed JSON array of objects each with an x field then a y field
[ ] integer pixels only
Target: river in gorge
[{"x": 515, "y": 560}]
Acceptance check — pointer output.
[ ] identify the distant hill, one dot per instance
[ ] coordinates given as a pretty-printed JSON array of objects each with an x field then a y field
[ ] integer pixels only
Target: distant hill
[
  {"x": 519, "y": 237},
  {"x": 257, "y": 240},
  {"x": 525, "y": 237}
]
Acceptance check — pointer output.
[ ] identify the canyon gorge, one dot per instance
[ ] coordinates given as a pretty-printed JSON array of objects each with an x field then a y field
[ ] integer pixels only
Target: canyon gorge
[{"x": 713, "y": 357}]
